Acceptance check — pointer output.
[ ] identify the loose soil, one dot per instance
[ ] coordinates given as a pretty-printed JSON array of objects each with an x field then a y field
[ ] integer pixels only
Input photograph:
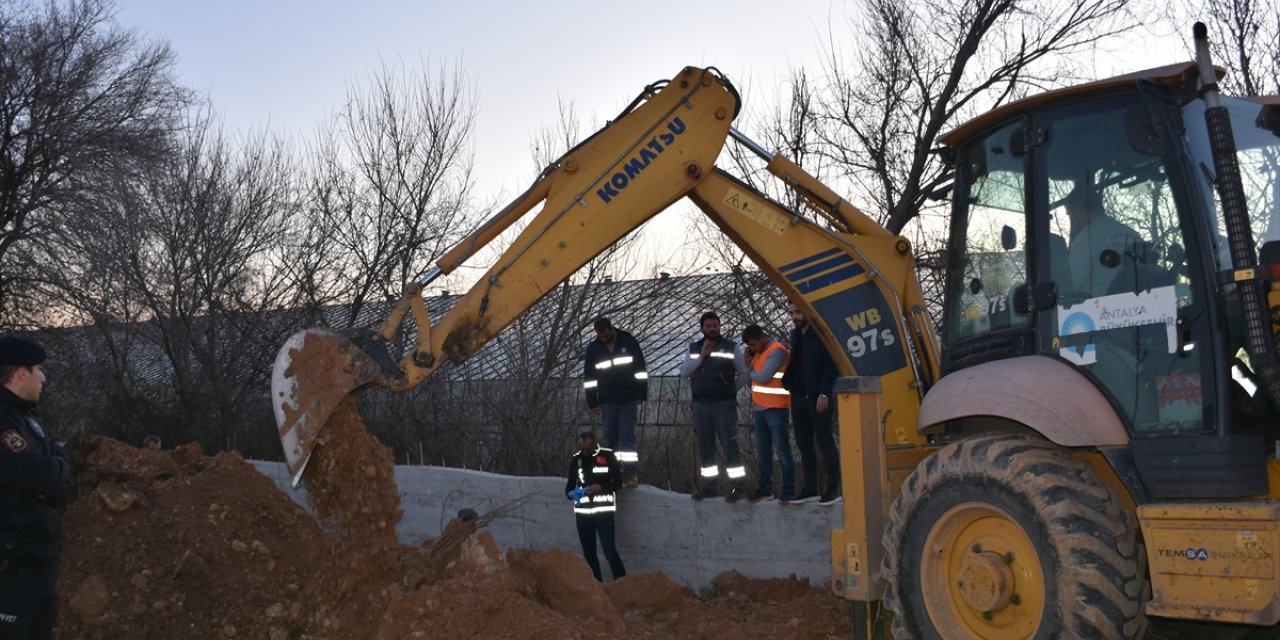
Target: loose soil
[{"x": 176, "y": 544}]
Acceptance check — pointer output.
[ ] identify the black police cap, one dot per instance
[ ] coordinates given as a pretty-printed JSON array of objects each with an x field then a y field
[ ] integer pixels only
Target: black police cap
[{"x": 20, "y": 352}]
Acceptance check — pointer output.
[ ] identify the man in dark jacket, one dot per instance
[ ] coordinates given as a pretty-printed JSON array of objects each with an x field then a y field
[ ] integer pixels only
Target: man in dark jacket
[
  {"x": 810, "y": 378},
  {"x": 616, "y": 382},
  {"x": 594, "y": 479},
  {"x": 716, "y": 370},
  {"x": 35, "y": 477}
]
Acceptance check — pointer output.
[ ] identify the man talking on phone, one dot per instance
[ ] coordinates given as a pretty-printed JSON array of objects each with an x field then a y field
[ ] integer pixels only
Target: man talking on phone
[{"x": 716, "y": 371}]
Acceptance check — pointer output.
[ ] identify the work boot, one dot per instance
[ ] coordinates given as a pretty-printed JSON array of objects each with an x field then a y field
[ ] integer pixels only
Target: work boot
[
  {"x": 632, "y": 482},
  {"x": 735, "y": 494},
  {"x": 704, "y": 493}
]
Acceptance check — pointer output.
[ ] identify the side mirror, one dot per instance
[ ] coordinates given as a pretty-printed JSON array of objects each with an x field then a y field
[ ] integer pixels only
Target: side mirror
[{"x": 1008, "y": 238}]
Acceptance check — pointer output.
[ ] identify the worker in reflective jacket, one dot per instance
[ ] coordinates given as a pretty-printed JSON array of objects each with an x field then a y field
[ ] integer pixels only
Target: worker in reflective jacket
[
  {"x": 594, "y": 479},
  {"x": 716, "y": 371},
  {"x": 616, "y": 382},
  {"x": 770, "y": 406}
]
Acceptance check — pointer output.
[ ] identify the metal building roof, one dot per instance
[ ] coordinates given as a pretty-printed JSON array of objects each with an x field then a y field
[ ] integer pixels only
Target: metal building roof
[{"x": 662, "y": 313}]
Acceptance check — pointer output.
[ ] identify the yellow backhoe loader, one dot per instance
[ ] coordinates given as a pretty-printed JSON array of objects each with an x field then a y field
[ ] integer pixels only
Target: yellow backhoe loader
[{"x": 1093, "y": 440}]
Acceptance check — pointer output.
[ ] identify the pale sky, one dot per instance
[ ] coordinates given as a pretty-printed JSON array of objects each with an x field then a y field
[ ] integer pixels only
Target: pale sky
[{"x": 287, "y": 63}]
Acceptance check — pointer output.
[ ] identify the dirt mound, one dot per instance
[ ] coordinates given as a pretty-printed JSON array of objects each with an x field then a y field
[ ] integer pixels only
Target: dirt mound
[
  {"x": 174, "y": 544},
  {"x": 157, "y": 544}
]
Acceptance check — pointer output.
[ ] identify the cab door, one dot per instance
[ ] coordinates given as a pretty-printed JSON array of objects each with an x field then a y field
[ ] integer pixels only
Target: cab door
[
  {"x": 989, "y": 254},
  {"x": 1128, "y": 314}
]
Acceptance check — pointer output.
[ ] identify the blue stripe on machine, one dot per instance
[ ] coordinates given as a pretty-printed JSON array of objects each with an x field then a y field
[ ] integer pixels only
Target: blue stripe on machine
[
  {"x": 834, "y": 276},
  {"x": 813, "y": 258},
  {"x": 808, "y": 272}
]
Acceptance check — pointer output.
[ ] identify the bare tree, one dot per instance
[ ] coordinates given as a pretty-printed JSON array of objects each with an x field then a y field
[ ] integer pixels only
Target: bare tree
[
  {"x": 82, "y": 102},
  {"x": 1246, "y": 37},
  {"x": 551, "y": 143},
  {"x": 922, "y": 66},
  {"x": 390, "y": 186},
  {"x": 539, "y": 410},
  {"x": 516, "y": 406},
  {"x": 173, "y": 268}
]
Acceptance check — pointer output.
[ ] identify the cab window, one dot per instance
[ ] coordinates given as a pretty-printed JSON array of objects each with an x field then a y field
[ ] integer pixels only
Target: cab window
[{"x": 990, "y": 259}]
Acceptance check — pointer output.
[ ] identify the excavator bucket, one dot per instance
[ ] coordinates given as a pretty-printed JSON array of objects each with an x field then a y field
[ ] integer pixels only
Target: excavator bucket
[{"x": 313, "y": 372}]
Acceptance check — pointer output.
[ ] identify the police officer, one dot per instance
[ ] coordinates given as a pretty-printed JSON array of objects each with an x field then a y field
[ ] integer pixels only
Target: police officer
[
  {"x": 594, "y": 479},
  {"x": 35, "y": 478}
]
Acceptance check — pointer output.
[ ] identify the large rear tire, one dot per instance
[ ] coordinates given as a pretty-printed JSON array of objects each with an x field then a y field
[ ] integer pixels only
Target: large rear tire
[{"x": 1007, "y": 536}]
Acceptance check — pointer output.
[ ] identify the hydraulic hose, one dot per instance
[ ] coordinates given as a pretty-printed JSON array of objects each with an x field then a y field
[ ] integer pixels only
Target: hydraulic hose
[{"x": 1259, "y": 343}]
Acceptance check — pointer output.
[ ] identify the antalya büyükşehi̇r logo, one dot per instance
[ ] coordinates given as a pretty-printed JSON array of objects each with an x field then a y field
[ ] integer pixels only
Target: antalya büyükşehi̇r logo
[{"x": 1076, "y": 323}]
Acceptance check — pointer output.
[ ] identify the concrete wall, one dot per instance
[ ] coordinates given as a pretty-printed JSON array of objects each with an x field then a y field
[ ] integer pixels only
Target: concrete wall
[{"x": 690, "y": 542}]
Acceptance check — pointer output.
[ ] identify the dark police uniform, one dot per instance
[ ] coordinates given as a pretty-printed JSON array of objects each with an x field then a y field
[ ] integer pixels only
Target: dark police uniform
[
  {"x": 35, "y": 478},
  {"x": 595, "y": 513}
]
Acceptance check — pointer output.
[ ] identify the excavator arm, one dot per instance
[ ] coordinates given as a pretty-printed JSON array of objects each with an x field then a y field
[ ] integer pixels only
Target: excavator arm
[
  {"x": 860, "y": 291},
  {"x": 595, "y": 194},
  {"x": 857, "y": 282}
]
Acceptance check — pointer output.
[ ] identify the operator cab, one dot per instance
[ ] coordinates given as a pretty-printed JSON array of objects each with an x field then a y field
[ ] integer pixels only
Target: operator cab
[{"x": 1085, "y": 229}]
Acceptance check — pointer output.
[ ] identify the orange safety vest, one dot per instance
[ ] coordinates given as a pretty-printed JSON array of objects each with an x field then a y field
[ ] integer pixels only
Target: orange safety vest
[{"x": 771, "y": 394}]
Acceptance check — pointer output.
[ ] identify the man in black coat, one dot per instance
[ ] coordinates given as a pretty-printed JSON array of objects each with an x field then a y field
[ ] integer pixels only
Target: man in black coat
[
  {"x": 616, "y": 382},
  {"x": 35, "y": 478},
  {"x": 811, "y": 378}
]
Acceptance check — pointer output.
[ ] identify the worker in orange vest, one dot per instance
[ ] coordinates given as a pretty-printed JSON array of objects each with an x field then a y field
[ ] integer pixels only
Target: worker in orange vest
[{"x": 770, "y": 405}]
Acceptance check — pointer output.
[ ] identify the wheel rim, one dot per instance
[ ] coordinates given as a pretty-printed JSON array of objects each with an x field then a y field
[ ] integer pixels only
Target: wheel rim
[{"x": 981, "y": 576}]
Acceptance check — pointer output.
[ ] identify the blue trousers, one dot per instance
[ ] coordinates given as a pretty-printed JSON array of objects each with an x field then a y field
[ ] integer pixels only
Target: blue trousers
[
  {"x": 620, "y": 434},
  {"x": 772, "y": 436},
  {"x": 600, "y": 525}
]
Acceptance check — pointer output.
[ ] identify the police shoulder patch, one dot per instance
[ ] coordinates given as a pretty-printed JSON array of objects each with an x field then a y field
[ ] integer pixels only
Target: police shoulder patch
[{"x": 14, "y": 441}]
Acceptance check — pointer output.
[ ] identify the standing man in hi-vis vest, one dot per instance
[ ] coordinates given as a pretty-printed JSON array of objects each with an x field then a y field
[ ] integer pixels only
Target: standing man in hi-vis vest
[
  {"x": 767, "y": 361},
  {"x": 716, "y": 371}
]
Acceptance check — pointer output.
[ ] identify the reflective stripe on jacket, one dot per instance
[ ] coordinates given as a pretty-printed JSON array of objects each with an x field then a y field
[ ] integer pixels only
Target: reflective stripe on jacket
[
  {"x": 717, "y": 378},
  {"x": 615, "y": 376}
]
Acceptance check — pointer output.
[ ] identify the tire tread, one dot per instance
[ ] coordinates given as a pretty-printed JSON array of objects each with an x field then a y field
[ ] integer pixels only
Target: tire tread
[{"x": 1103, "y": 585}]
